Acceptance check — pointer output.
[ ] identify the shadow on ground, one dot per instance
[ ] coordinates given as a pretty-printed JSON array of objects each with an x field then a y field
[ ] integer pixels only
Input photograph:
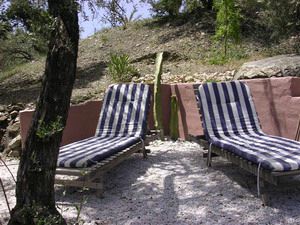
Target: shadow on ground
[{"x": 174, "y": 186}]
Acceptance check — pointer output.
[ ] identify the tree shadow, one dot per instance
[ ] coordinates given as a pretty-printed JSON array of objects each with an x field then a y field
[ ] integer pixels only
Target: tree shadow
[
  {"x": 90, "y": 73},
  {"x": 20, "y": 94},
  {"x": 176, "y": 187},
  {"x": 286, "y": 192},
  {"x": 17, "y": 93}
]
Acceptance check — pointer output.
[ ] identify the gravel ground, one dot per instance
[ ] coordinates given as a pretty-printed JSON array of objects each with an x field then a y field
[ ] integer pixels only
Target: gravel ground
[{"x": 174, "y": 186}]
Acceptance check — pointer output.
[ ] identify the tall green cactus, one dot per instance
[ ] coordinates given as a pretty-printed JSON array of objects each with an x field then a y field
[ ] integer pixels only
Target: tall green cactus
[
  {"x": 157, "y": 94},
  {"x": 174, "y": 133}
]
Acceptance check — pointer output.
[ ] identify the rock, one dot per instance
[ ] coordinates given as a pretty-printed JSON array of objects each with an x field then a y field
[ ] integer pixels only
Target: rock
[
  {"x": 18, "y": 107},
  {"x": 14, "y": 114},
  {"x": 15, "y": 153},
  {"x": 30, "y": 106},
  {"x": 13, "y": 129},
  {"x": 189, "y": 79},
  {"x": 15, "y": 144},
  {"x": 278, "y": 66},
  {"x": 2, "y": 108},
  {"x": 3, "y": 120},
  {"x": 135, "y": 79},
  {"x": 2, "y": 132}
]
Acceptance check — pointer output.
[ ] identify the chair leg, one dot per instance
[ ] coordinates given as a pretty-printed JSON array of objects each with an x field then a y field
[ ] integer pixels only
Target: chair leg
[
  {"x": 144, "y": 150},
  {"x": 209, "y": 156},
  {"x": 100, "y": 187},
  {"x": 262, "y": 188},
  {"x": 265, "y": 197},
  {"x": 145, "y": 155}
]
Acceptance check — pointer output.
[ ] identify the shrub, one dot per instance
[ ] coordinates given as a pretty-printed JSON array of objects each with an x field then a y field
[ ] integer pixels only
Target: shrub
[
  {"x": 120, "y": 69},
  {"x": 270, "y": 19},
  {"x": 227, "y": 23},
  {"x": 20, "y": 47},
  {"x": 115, "y": 12},
  {"x": 191, "y": 5},
  {"x": 281, "y": 17},
  {"x": 165, "y": 7}
]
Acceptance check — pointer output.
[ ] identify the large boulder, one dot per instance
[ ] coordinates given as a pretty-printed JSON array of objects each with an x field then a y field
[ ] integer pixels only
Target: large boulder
[{"x": 277, "y": 66}]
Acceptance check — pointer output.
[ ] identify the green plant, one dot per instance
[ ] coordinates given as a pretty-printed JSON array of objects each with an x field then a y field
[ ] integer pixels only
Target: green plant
[
  {"x": 116, "y": 13},
  {"x": 47, "y": 130},
  {"x": 215, "y": 56},
  {"x": 20, "y": 47},
  {"x": 191, "y": 5},
  {"x": 211, "y": 80},
  {"x": 281, "y": 17},
  {"x": 120, "y": 69},
  {"x": 79, "y": 209},
  {"x": 174, "y": 134},
  {"x": 157, "y": 94},
  {"x": 217, "y": 59},
  {"x": 227, "y": 23}
]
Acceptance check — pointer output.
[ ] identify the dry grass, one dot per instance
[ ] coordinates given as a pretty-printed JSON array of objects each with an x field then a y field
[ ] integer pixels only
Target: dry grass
[{"x": 188, "y": 44}]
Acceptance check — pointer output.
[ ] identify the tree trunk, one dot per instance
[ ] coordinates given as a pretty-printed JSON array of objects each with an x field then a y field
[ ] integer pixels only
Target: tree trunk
[{"x": 35, "y": 180}]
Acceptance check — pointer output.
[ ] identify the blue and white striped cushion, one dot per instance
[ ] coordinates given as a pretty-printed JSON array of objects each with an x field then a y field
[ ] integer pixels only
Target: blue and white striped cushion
[
  {"x": 124, "y": 111},
  {"x": 231, "y": 122},
  {"x": 92, "y": 150},
  {"x": 122, "y": 123}
]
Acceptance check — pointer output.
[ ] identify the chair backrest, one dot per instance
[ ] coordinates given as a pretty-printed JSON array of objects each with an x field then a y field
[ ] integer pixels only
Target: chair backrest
[
  {"x": 227, "y": 109},
  {"x": 124, "y": 111}
]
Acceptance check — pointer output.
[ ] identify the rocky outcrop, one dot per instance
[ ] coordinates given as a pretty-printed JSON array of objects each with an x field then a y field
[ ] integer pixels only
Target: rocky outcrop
[
  {"x": 10, "y": 139},
  {"x": 277, "y": 66}
]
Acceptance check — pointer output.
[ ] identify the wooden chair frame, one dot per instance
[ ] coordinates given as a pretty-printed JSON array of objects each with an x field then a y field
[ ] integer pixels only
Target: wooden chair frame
[{"x": 93, "y": 177}]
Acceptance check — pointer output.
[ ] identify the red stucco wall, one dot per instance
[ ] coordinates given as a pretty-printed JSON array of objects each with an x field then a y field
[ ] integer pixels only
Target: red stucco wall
[
  {"x": 277, "y": 102},
  {"x": 188, "y": 113},
  {"x": 81, "y": 123}
]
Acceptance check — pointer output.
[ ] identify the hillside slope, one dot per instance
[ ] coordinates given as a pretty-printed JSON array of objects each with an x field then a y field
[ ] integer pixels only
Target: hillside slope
[{"x": 188, "y": 46}]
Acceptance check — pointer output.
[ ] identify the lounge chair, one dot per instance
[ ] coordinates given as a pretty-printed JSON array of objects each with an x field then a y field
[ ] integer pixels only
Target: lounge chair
[
  {"x": 232, "y": 130},
  {"x": 121, "y": 131}
]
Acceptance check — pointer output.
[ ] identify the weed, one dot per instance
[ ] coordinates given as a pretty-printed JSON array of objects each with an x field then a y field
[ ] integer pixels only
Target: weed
[
  {"x": 211, "y": 80},
  {"x": 120, "y": 69},
  {"x": 47, "y": 130},
  {"x": 216, "y": 57},
  {"x": 104, "y": 38},
  {"x": 79, "y": 209}
]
